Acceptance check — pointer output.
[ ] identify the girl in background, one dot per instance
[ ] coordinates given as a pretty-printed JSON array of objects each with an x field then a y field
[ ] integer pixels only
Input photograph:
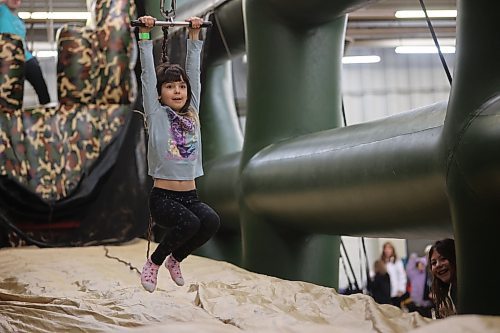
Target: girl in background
[
  {"x": 443, "y": 265},
  {"x": 416, "y": 270},
  {"x": 396, "y": 272},
  {"x": 380, "y": 285}
]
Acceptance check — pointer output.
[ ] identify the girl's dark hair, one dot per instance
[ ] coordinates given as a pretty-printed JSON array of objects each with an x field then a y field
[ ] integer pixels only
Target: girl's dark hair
[
  {"x": 167, "y": 73},
  {"x": 439, "y": 289}
]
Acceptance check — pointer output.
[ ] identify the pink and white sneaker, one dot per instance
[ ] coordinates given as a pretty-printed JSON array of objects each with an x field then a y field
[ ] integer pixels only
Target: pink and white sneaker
[
  {"x": 149, "y": 275},
  {"x": 174, "y": 268}
]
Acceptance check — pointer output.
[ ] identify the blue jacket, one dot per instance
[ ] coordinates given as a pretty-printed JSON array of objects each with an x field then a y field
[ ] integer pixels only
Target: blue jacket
[{"x": 10, "y": 23}]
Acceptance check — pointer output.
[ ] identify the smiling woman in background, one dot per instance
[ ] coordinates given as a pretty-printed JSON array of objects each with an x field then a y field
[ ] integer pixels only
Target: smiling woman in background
[{"x": 444, "y": 278}]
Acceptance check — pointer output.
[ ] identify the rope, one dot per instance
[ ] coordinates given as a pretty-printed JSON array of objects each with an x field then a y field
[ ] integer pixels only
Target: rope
[
  {"x": 367, "y": 266},
  {"x": 164, "y": 50},
  {"x": 433, "y": 33},
  {"x": 356, "y": 285},
  {"x": 349, "y": 283},
  {"x": 132, "y": 268},
  {"x": 343, "y": 114},
  {"x": 145, "y": 123}
]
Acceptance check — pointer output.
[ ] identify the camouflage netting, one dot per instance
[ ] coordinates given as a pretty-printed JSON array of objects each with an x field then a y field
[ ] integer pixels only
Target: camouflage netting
[
  {"x": 49, "y": 150},
  {"x": 11, "y": 74}
]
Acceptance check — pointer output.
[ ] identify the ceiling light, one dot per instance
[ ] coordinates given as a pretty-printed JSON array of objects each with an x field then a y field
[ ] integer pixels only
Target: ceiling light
[
  {"x": 45, "y": 54},
  {"x": 423, "y": 49},
  {"x": 58, "y": 15},
  {"x": 24, "y": 15},
  {"x": 425, "y": 42},
  {"x": 430, "y": 13},
  {"x": 361, "y": 59}
]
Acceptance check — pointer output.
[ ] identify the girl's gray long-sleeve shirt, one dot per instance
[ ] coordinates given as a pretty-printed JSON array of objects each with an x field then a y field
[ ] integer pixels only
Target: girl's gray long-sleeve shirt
[{"x": 174, "y": 145}]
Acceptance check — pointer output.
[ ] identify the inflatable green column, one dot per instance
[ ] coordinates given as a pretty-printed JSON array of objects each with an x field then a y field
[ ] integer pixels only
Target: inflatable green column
[
  {"x": 294, "y": 68},
  {"x": 471, "y": 135},
  {"x": 221, "y": 133},
  {"x": 222, "y": 137}
]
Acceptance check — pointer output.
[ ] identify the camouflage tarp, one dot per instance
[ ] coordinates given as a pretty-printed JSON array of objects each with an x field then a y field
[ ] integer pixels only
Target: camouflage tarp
[{"x": 49, "y": 150}]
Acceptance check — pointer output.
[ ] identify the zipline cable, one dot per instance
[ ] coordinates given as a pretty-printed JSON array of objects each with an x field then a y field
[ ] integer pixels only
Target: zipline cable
[
  {"x": 349, "y": 283},
  {"x": 433, "y": 33},
  {"x": 356, "y": 285}
]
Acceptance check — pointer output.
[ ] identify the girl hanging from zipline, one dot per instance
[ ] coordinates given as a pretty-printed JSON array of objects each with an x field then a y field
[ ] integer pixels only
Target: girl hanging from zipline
[{"x": 171, "y": 97}]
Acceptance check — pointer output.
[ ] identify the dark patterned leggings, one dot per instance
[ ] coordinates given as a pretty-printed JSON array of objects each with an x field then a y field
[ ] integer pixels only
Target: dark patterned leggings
[{"x": 189, "y": 223}]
